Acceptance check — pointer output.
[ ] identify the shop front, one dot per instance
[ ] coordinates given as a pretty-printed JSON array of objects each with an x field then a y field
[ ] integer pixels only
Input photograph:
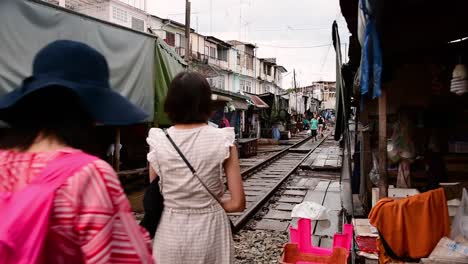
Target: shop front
[{"x": 411, "y": 85}]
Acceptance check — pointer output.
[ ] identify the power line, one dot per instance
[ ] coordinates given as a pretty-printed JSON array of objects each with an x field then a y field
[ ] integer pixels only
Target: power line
[
  {"x": 325, "y": 58},
  {"x": 289, "y": 28},
  {"x": 295, "y": 47}
]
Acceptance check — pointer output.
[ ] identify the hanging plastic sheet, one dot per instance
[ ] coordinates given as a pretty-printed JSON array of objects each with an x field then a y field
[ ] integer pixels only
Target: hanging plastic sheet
[
  {"x": 167, "y": 64},
  {"x": 28, "y": 26},
  {"x": 371, "y": 64},
  {"x": 342, "y": 95}
]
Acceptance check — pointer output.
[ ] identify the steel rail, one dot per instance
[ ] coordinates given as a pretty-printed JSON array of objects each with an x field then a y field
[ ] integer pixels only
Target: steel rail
[
  {"x": 272, "y": 158},
  {"x": 243, "y": 219}
]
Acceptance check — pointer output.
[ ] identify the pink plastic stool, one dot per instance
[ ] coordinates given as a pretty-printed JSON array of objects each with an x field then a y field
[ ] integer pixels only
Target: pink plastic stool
[{"x": 302, "y": 236}]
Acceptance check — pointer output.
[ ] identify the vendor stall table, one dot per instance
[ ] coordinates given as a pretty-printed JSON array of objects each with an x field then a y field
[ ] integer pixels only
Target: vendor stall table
[{"x": 247, "y": 147}]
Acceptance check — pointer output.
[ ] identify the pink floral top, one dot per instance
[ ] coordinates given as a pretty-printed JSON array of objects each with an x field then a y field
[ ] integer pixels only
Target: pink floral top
[{"x": 91, "y": 221}]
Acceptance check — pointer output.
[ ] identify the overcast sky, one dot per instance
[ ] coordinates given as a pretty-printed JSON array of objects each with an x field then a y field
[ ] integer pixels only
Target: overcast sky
[{"x": 280, "y": 28}]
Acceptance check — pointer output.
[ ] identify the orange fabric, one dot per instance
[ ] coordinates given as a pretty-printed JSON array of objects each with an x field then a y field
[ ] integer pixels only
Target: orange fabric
[
  {"x": 412, "y": 227},
  {"x": 383, "y": 257}
]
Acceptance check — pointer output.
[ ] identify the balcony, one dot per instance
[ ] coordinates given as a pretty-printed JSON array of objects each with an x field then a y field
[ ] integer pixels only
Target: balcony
[{"x": 180, "y": 51}]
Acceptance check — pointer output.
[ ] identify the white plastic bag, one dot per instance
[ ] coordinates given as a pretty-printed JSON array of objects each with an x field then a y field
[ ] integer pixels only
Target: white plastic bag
[
  {"x": 310, "y": 210},
  {"x": 460, "y": 221}
]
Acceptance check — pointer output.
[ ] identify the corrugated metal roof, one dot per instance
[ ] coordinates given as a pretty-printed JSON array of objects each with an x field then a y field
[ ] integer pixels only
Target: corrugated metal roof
[
  {"x": 240, "y": 105},
  {"x": 257, "y": 101}
]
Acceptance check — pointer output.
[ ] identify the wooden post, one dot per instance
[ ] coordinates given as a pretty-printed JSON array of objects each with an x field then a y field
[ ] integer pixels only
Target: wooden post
[
  {"x": 366, "y": 160},
  {"x": 383, "y": 182},
  {"x": 117, "y": 150},
  {"x": 187, "y": 30}
]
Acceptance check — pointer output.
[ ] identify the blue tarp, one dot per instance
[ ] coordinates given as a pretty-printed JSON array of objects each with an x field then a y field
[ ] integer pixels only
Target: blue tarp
[{"x": 371, "y": 65}]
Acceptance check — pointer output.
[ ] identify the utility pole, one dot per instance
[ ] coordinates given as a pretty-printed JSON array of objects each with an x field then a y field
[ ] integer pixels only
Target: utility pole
[
  {"x": 187, "y": 30},
  {"x": 295, "y": 90}
]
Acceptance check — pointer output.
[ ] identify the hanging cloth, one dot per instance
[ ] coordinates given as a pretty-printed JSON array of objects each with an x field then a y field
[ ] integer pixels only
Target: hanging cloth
[{"x": 371, "y": 65}]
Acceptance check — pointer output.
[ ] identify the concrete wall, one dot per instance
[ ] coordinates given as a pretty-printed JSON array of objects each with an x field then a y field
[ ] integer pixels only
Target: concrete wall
[
  {"x": 122, "y": 14},
  {"x": 99, "y": 10}
]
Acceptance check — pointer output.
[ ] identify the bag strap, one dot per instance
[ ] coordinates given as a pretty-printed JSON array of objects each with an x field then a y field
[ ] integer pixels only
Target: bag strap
[
  {"x": 59, "y": 169},
  {"x": 191, "y": 167},
  {"x": 31, "y": 206}
]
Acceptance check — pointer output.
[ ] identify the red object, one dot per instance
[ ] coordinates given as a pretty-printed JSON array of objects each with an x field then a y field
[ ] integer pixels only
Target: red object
[
  {"x": 91, "y": 219},
  {"x": 225, "y": 122},
  {"x": 292, "y": 255},
  {"x": 367, "y": 244}
]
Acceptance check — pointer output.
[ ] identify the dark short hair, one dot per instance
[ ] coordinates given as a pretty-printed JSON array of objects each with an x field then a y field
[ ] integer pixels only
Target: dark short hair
[
  {"x": 188, "y": 100},
  {"x": 52, "y": 111}
]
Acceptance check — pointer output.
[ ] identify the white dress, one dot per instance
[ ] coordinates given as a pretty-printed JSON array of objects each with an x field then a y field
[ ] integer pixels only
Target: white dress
[{"x": 194, "y": 228}]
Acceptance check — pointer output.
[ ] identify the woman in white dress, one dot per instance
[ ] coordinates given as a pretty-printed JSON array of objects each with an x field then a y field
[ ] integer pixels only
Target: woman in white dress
[{"x": 194, "y": 227}]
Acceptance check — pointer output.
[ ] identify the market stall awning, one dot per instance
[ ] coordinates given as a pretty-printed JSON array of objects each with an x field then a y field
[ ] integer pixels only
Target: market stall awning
[
  {"x": 259, "y": 103},
  {"x": 220, "y": 98},
  {"x": 240, "y": 104}
]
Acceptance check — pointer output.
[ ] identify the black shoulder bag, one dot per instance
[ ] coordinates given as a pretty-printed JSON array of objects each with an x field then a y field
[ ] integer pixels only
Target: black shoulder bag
[
  {"x": 153, "y": 204},
  {"x": 195, "y": 174}
]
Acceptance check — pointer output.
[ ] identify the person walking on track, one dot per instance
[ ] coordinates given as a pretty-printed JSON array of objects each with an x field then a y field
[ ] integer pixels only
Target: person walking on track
[
  {"x": 58, "y": 204},
  {"x": 194, "y": 227},
  {"x": 314, "y": 127},
  {"x": 305, "y": 123},
  {"x": 321, "y": 124}
]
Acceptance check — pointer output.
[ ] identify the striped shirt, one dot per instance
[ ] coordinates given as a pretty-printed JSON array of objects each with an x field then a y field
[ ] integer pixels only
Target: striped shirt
[{"x": 91, "y": 220}]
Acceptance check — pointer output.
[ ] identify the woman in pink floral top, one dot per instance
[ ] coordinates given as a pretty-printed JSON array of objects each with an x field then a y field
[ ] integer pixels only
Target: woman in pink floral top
[{"x": 52, "y": 115}]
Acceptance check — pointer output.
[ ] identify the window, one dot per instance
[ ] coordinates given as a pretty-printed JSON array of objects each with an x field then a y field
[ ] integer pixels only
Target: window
[
  {"x": 119, "y": 14},
  {"x": 182, "y": 41},
  {"x": 249, "y": 62},
  {"x": 210, "y": 81},
  {"x": 238, "y": 58},
  {"x": 246, "y": 86},
  {"x": 267, "y": 70},
  {"x": 222, "y": 53},
  {"x": 220, "y": 84},
  {"x": 212, "y": 52},
  {"x": 217, "y": 82},
  {"x": 170, "y": 39},
  {"x": 138, "y": 24}
]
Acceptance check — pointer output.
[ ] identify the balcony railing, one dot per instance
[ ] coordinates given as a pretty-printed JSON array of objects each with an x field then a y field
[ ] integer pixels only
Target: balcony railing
[{"x": 180, "y": 51}]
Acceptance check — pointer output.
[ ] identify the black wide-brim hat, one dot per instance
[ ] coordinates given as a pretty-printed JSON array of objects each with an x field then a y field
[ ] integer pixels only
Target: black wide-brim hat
[{"x": 84, "y": 71}]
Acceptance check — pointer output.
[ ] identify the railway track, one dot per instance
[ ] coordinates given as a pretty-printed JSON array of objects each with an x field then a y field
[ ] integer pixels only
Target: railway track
[{"x": 262, "y": 180}]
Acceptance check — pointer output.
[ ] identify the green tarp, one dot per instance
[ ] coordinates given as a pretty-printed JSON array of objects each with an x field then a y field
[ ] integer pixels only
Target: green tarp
[{"x": 167, "y": 64}]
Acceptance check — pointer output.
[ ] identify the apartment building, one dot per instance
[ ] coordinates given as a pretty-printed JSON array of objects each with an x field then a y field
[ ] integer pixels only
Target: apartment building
[
  {"x": 172, "y": 32},
  {"x": 323, "y": 91},
  {"x": 228, "y": 65},
  {"x": 127, "y": 13}
]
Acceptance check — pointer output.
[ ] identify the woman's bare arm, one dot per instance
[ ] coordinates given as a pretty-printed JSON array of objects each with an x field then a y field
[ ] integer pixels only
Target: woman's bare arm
[
  {"x": 234, "y": 180},
  {"x": 152, "y": 173}
]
